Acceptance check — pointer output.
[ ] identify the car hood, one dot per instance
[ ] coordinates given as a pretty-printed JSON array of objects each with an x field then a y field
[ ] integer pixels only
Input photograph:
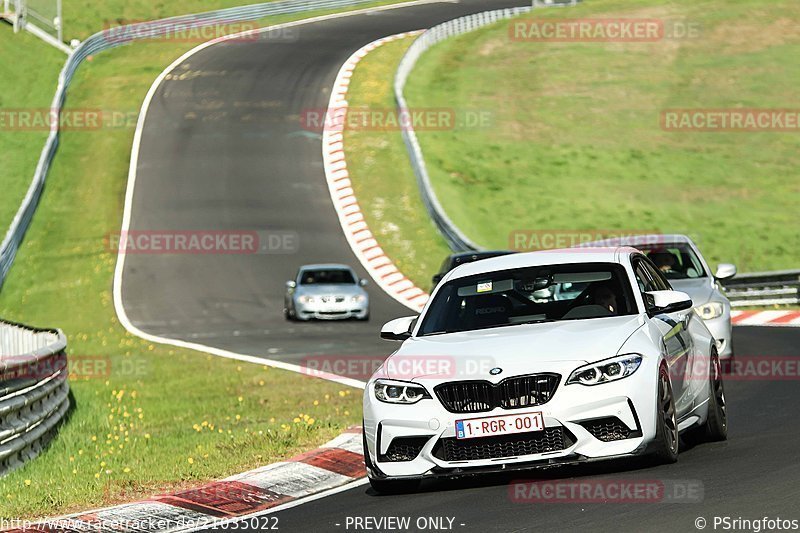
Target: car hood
[
  {"x": 516, "y": 350},
  {"x": 699, "y": 290},
  {"x": 329, "y": 289}
]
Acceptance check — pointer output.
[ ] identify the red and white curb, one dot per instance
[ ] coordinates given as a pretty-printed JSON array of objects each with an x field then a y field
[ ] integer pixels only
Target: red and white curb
[
  {"x": 335, "y": 464},
  {"x": 766, "y": 318},
  {"x": 355, "y": 228}
]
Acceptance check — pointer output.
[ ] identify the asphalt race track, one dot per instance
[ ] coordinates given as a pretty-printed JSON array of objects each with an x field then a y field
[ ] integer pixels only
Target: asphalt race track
[
  {"x": 756, "y": 473},
  {"x": 223, "y": 149}
]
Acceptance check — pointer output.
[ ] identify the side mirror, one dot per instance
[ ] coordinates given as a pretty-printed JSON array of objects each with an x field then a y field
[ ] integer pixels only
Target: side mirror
[
  {"x": 398, "y": 329},
  {"x": 363, "y": 282},
  {"x": 661, "y": 302},
  {"x": 725, "y": 271},
  {"x": 291, "y": 285}
]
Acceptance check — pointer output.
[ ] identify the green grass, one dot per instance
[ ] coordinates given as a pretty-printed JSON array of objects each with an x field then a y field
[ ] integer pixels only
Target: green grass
[
  {"x": 82, "y": 18},
  {"x": 575, "y": 141},
  {"x": 381, "y": 175},
  {"x": 21, "y": 89},
  {"x": 33, "y": 86},
  {"x": 62, "y": 278}
]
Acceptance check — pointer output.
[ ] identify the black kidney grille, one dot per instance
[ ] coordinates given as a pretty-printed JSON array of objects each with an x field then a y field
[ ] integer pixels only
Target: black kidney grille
[
  {"x": 511, "y": 393},
  {"x": 467, "y": 396},
  {"x": 550, "y": 440},
  {"x": 526, "y": 391}
]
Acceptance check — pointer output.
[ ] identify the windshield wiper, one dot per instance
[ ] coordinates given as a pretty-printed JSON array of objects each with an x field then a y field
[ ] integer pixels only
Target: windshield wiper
[{"x": 538, "y": 321}]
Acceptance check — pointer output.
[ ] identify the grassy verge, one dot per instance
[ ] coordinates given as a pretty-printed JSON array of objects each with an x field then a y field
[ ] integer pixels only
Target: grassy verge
[
  {"x": 22, "y": 88},
  {"x": 82, "y": 18},
  {"x": 158, "y": 418},
  {"x": 382, "y": 177},
  {"x": 576, "y": 144},
  {"x": 32, "y": 87}
]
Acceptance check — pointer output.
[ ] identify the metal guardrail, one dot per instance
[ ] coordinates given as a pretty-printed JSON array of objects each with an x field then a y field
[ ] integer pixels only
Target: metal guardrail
[
  {"x": 105, "y": 40},
  {"x": 455, "y": 238},
  {"x": 34, "y": 392},
  {"x": 764, "y": 288},
  {"x": 756, "y": 289}
]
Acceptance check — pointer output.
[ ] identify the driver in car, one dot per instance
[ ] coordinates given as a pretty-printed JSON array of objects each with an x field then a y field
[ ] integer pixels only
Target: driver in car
[
  {"x": 605, "y": 297},
  {"x": 665, "y": 261}
]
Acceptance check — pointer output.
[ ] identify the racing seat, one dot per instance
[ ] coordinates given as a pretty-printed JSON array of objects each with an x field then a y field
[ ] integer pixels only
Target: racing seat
[{"x": 487, "y": 311}]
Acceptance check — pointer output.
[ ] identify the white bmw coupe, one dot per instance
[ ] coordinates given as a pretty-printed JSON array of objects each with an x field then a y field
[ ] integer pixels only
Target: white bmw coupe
[{"x": 497, "y": 374}]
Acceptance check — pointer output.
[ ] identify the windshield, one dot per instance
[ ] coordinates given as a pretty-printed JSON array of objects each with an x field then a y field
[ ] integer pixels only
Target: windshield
[
  {"x": 453, "y": 261},
  {"x": 674, "y": 260},
  {"x": 530, "y": 295},
  {"x": 328, "y": 276}
]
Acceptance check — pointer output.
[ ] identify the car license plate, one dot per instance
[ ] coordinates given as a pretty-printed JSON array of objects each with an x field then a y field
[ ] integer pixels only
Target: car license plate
[{"x": 499, "y": 425}]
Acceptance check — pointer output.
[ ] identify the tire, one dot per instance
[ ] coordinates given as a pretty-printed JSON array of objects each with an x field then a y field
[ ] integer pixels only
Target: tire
[
  {"x": 667, "y": 442},
  {"x": 716, "y": 427},
  {"x": 387, "y": 486},
  {"x": 289, "y": 315}
]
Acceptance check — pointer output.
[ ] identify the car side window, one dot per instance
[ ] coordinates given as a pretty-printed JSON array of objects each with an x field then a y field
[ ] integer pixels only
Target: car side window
[
  {"x": 658, "y": 278},
  {"x": 643, "y": 277}
]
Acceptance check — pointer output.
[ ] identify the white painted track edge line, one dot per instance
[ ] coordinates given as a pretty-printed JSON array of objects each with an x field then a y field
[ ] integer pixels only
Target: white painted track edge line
[{"x": 119, "y": 307}]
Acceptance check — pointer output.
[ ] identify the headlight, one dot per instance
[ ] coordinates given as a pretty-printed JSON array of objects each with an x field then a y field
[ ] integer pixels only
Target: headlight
[
  {"x": 389, "y": 391},
  {"x": 358, "y": 299},
  {"x": 306, "y": 299},
  {"x": 710, "y": 310},
  {"x": 612, "y": 369}
]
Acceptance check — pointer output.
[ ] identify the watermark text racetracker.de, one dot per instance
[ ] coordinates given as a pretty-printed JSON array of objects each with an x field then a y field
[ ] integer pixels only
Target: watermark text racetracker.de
[
  {"x": 742, "y": 368},
  {"x": 174, "y": 521},
  {"x": 80, "y": 119},
  {"x": 405, "y": 367},
  {"x": 623, "y": 491},
  {"x": 189, "y": 29},
  {"x": 531, "y": 240},
  {"x": 212, "y": 242},
  {"x": 364, "y": 118},
  {"x": 603, "y": 30},
  {"x": 77, "y": 367},
  {"x": 736, "y": 120}
]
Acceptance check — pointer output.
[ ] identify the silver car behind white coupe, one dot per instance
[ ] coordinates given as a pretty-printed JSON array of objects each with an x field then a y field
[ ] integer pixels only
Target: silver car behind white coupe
[
  {"x": 326, "y": 292},
  {"x": 680, "y": 261}
]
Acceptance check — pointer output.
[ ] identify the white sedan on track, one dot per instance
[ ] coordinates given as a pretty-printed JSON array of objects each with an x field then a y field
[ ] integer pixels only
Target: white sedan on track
[{"x": 494, "y": 377}]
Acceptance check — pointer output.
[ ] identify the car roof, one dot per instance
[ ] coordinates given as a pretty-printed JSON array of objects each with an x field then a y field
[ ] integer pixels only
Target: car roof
[
  {"x": 543, "y": 258},
  {"x": 481, "y": 253},
  {"x": 326, "y": 266},
  {"x": 645, "y": 238}
]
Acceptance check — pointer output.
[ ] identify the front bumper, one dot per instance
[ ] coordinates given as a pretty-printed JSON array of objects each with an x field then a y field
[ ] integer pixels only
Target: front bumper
[
  {"x": 571, "y": 413},
  {"x": 333, "y": 311},
  {"x": 720, "y": 328}
]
